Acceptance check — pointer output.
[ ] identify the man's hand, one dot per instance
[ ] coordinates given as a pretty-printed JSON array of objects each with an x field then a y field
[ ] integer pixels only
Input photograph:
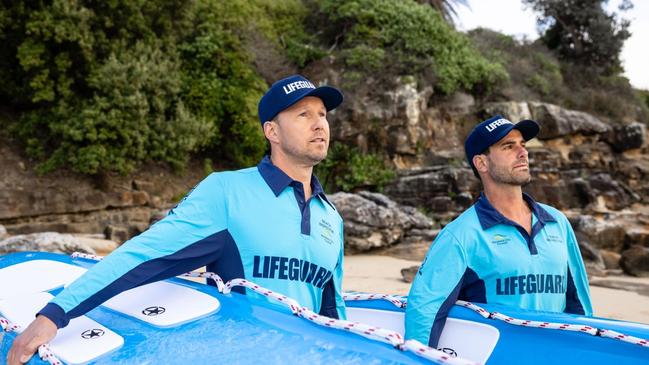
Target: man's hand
[{"x": 39, "y": 332}]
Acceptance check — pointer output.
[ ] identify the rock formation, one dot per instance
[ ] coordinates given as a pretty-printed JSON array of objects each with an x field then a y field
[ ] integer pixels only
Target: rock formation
[{"x": 595, "y": 170}]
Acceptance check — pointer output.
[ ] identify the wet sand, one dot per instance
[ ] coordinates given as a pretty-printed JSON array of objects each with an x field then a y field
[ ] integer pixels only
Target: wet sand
[{"x": 382, "y": 274}]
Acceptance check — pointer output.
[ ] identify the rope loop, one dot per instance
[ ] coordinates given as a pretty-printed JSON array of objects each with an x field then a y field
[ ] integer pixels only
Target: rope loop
[{"x": 388, "y": 336}]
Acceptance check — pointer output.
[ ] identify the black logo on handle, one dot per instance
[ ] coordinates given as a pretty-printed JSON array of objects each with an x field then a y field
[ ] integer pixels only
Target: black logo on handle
[
  {"x": 448, "y": 351},
  {"x": 153, "y": 311},
  {"x": 93, "y": 333}
]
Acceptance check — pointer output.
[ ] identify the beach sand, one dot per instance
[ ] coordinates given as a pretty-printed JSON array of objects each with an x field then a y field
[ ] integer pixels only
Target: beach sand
[{"x": 382, "y": 274}]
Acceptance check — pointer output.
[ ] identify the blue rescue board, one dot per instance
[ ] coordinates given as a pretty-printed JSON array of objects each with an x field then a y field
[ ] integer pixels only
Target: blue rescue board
[{"x": 246, "y": 332}]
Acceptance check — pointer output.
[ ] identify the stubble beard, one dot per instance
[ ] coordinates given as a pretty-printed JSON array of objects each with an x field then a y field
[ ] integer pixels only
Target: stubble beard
[
  {"x": 503, "y": 175},
  {"x": 310, "y": 157}
]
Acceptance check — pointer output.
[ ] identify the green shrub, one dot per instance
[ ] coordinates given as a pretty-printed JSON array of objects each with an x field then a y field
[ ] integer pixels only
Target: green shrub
[
  {"x": 282, "y": 23},
  {"x": 537, "y": 74},
  {"x": 406, "y": 38},
  {"x": 220, "y": 83},
  {"x": 135, "y": 114},
  {"x": 539, "y": 83},
  {"x": 347, "y": 169},
  {"x": 643, "y": 96},
  {"x": 109, "y": 85}
]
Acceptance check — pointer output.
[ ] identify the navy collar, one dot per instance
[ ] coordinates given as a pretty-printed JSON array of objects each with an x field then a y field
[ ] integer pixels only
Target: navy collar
[
  {"x": 489, "y": 216},
  {"x": 277, "y": 180}
]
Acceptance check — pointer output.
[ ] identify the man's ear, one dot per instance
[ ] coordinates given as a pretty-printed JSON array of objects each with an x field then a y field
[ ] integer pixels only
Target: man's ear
[
  {"x": 270, "y": 131},
  {"x": 480, "y": 163}
]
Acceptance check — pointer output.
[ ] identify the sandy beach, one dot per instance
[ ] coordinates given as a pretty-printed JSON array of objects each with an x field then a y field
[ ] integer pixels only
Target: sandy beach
[{"x": 382, "y": 274}]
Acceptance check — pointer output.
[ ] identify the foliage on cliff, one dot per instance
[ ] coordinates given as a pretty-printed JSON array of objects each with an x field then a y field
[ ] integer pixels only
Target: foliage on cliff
[
  {"x": 347, "y": 169},
  {"x": 393, "y": 37},
  {"x": 107, "y": 86},
  {"x": 538, "y": 73}
]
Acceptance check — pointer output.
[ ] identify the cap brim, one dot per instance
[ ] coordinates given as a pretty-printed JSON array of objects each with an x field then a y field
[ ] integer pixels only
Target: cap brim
[
  {"x": 330, "y": 96},
  {"x": 528, "y": 128}
]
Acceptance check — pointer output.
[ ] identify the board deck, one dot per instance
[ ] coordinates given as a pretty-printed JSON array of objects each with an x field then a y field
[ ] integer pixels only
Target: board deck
[
  {"x": 36, "y": 276},
  {"x": 466, "y": 339},
  {"x": 164, "y": 304},
  {"x": 83, "y": 340},
  {"x": 245, "y": 331},
  {"x": 161, "y": 304}
]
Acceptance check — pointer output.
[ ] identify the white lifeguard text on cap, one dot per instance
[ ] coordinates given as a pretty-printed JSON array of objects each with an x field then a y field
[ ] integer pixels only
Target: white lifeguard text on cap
[
  {"x": 497, "y": 123},
  {"x": 297, "y": 85}
]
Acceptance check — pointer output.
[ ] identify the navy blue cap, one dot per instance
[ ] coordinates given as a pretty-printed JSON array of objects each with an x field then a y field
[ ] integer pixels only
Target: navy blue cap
[
  {"x": 289, "y": 91},
  {"x": 494, "y": 129}
]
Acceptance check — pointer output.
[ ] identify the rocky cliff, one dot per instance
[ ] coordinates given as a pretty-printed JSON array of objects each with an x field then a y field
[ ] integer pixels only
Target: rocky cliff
[{"x": 593, "y": 169}]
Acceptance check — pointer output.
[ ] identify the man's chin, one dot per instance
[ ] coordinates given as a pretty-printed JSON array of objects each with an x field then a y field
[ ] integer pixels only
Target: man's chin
[
  {"x": 524, "y": 181},
  {"x": 317, "y": 158}
]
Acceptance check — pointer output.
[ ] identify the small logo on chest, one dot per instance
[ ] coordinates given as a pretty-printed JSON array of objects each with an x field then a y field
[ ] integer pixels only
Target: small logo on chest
[
  {"x": 499, "y": 239},
  {"x": 326, "y": 232},
  {"x": 553, "y": 238}
]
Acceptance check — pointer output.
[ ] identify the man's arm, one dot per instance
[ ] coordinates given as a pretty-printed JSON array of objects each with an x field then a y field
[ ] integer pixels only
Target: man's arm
[
  {"x": 577, "y": 291},
  {"x": 192, "y": 235},
  {"x": 435, "y": 289}
]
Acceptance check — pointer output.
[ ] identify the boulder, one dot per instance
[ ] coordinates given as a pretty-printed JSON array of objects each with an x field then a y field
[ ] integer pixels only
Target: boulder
[
  {"x": 97, "y": 243},
  {"x": 414, "y": 245},
  {"x": 439, "y": 189},
  {"x": 398, "y": 111},
  {"x": 556, "y": 121},
  {"x": 3, "y": 232},
  {"x": 635, "y": 261},
  {"x": 45, "y": 242},
  {"x": 626, "y": 137},
  {"x": 615, "y": 194},
  {"x": 408, "y": 273},
  {"x": 611, "y": 259},
  {"x": 637, "y": 236},
  {"x": 559, "y": 190},
  {"x": 116, "y": 233},
  {"x": 372, "y": 220},
  {"x": 512, "y": 110},
  {"x": 622, "y": 283},
  {"x": 592, "y": 258},
  {"x": 601, "y": 234}
]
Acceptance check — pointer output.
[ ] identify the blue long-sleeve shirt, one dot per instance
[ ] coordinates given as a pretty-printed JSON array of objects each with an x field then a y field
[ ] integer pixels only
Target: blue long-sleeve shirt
[
  {"x": 484, "y": 257},
  {"x": 252, "y": 223}
]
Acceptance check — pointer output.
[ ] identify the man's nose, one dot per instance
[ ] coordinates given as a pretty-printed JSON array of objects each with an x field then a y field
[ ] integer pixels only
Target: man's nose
[
  {"x": 320, "y": 123},
  {"x": 522, "y": 152}
]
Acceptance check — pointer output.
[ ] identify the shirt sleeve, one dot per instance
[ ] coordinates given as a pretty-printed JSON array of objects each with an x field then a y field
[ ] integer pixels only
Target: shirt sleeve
[
  {"x": 192, "y": 235},
  {"x": 435, "y": 289},
  {"x": 578, "y": 292}
]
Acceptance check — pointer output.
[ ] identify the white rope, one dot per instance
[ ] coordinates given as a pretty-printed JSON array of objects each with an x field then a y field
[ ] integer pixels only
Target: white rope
[
  {"x": 396, "y": 300},
  {"x": 392, "y": 337},
  {"x": 44, "y": 351},
  {"x": 87, "y": 256},
  {"x": 375, "y": 333},
  {"x": 600, "y": 332}
]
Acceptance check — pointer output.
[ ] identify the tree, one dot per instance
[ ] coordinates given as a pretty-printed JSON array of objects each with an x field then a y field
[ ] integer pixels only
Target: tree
[
  {"x": 582, "y": 32},
  {"x": 445, "y": 7}
]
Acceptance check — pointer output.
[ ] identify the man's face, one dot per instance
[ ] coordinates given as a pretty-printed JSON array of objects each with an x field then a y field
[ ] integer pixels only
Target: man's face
[
  {"x": 303, "y": 131},
  {"x": 508, "y": 161}
]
